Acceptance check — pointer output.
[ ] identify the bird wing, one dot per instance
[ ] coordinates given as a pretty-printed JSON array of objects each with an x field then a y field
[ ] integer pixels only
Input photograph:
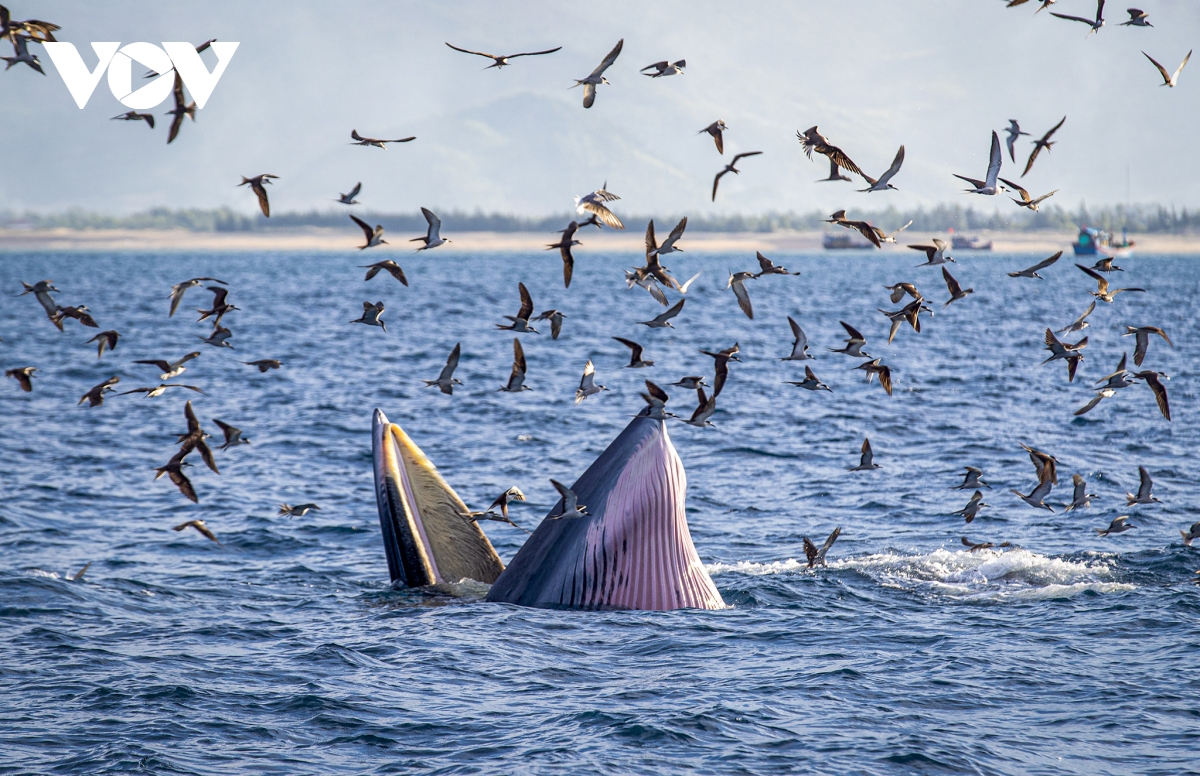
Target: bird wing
[
  {"x": 801, "y": 340},
  {"x": 1042, "y": 490},
  {"x": 468, "y": 51},
  {"x": 1046, "y": 262},
  {"x": 840, "y": 158},
  {"x": 1088, "y": 22},
  {"x": 185, "y": 487},
  {"x": 589, "y": 95},
  {"x": 833, "y": 537},
  {"x": 994, "y": 160},
  {"x": 866, "y": 230},
  {"x": 891, "y": 171},
  {"x": 1160, "y": 394},
  {"x": 810, "y": 552},
  {"x": 743, "y": 298},
  {"x": 193, "y": 423},
  {"x": 1063, "y": 120},
  {"x": 533, "y": 53},
  {"x": 658, "y": 392},
  {"x": 867, "y": 454},
  {"x": 1037, "y": 149},
  {"x": 743, "y": 155},
  {"x": 369, "y": 232},
  {"x": 1091, "y": 405},
  {"x": 656, "y": 66},
  {"x": 671, "y": 313},
  {"x": 808, "y": 374},
  {"x": 1161, "y": 70},
  {"x": 435, "y": 224},
  {"x": 636, "y": 355},
  {"x": 676, "y": 233},
  {"x": 1043, "y": 197},
  {"x": 684, "y": 288},
  {"x": 1101, "y": 281},
  {"x": 853, "y": 332},
  {"x": 564, "y": 250},
  {"x": 1177, "y": 71},
  {"x": 519, "y": 367},
  {"x": 526, "y": 302},
  {"x": 264, "y": 204},
  {"x": 764, "y": 263},
  {"x": 885, "y": 379},
  {"x": 973, "y": 181},
  {"x": 1024, "y": 193},
  {"x": 651, "y": 242},
  {"x": 718, "y": 138},
  {"x": 608, "y": 60},
  {"x": 951, "y": 284},
  {"x": 1144, "y": 483},
  {"x": 163, "y": 366},
  {"x": 354, "y": 191},
  {"x": 451, "y": 363},
  {"x": 601, "y": 212},
  {"x": 716, "y": 182}
]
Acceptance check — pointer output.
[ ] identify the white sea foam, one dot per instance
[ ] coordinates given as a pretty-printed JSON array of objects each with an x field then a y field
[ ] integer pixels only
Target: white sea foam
[{"x": 1017, "y": 574}]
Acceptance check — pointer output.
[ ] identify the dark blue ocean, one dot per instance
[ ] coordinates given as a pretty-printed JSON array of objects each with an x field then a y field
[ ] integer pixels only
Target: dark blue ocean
[{"x": 284, "y": 651}]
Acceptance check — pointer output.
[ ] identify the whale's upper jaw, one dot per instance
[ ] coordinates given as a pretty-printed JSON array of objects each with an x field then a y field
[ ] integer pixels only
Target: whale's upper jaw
[
  {"x": 632, "y": 551},
  {"x": 426, "y": 536}
]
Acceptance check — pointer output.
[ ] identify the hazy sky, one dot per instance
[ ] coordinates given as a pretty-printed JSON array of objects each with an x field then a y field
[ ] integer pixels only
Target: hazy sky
[{"x": 936, "y": 76}]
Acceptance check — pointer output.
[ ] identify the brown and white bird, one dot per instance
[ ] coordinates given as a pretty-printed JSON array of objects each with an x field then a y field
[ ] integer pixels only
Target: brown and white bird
[
  {"x": 23, "y": 375},
  {"x": 375, "y": 141},
  {"x": 989, "y": 185},
  {"x": 935, "y": 254},
  {"x": 668, "y": 245},
  {"x": 883, "y": 184},
  {"x": 1065, "y": 350},
  {"x": 501, "y": 60},
  {"x": 665, "y": 68},
  {"x": 1154, "y": 381},
  {"x": 1118, "y": 525},
  {"x": 973, "y": 479},
  {"x": 516, "y": 379},
  {"x": 737, "y": 282},
  {"x": 564, "y": 250},
  {"x": 593, "y": 203},
  {"x": 41, "y": 292},
  {"x": 182, "y": 108},
  {"x": 446, "y": 380},
  {"x": 854, "y": 343},
  {"x": 433, "y": 233},
  {"x": 716, "y": 130},
  {"x": 200, "y": 526},
  {"x": 862, "y": 227},
  {"x": 1026, "y": 201},
  {"x": 219, "y": 338},
  {"x": 971, "y": 510},
  {"x": 875, "y": 369},
  {"x": 731, "y": 167},
  {"x": 174, "y": 470},
  {"x": 556, "y": 321},
  {"x": 1191, "y": 534},
  {"x": 587, "y": 383},
  {"x": 371, "y": 315},
  {"x": 956, "y": 291},
  {"x": 570, "y": 504},
  {"x": 799, "y": 343},
  {"x": 810, "y": 382},
  {"x": 721, "y": 361},
  {"x": 1032, "y": 272},
  {"x": 79, "y": 313},
  {"x": 173, "y": 368},
  {"x": 1080, "y": 323},
  {"x": 663, "y": 320},
  {"x": 596, "y": 77},
  {"x": 219, "y": 306},
  {"x": 1137, "y": 18},
  {"x": 105, "y": 340},
  {"x": 95, "y": 395},
  {"x": 1044, "y": 140},
  {"x": 520, "y": 321},
  {"x": 20, "y": 44},
  {"x": 1142, "y": 340},
  {"x": 135, "y": 116},
  {"x": 816, "y": 557},
  {"x": 265, "y": 364},
  {"x": 373, "y": 237},
  {"x": 1102, "y": 291},
  {"x": 867, "y": 459},
  {"x": 812, "y": 140},
  {"x": 656, "y": 403},
  {"x": 706, "y": 406},
  {"x": 258, "y": 186},
  {"x": 159, "y": 390},
  {"x": 1095, "y": 23},
  {"x": 349, "y": 197},
  {"x": 179, "y": 289},
  {"x": 233, "y": 435},
  {"x": 635, "y": 356},
  {"x": 391, "y": 267},
  {"x": 1080, "y": 498},
  {"x": 900, "y": 289},
  {"x": 768, "y": 267},
  {"x": 300, "y": 510}
]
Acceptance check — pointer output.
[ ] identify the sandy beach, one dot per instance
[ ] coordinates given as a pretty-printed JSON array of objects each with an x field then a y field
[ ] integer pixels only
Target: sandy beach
[{"x": 12, "y": 240}]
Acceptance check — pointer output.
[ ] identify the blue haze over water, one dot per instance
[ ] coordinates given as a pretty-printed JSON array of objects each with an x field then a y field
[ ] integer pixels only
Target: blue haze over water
[{"x": 284, "y": 651}]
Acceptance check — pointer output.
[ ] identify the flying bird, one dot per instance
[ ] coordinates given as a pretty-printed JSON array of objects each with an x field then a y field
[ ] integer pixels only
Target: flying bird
[
  {"x": 265, "y": 364},
  {"x": 1152, "y": 379},
  {"x": 219, "y": 305},
  {"x": 106, "y": 340},
  {"x": 988, "y": 186},
  {"x": 219, "y": 338},
  {"x": 862, "y": 227},
  {"x": 516, "y": 379},
  {"x": 835, "y": 174},
  {"x": 556, "y": 321},
  {"x": 1014, "y": 132},
  {"x": 1102, "y": 291},
  {"x": 768, "y": 267},
  {"x": 665, "y": 68},
  {"x": 1095, "y": 23},
  {"x": 867, "y": 460},
  {"x": 79, "y": 313},
  {"x": 587, "y": 384},
  {"x": 1106, "y": 265},
  {"x": 371, "y": 315},
  {"x": 972, "y": 479},
  {"x": 706, "y": 406},
  {"x": 1044, "y": 141},
  {"x": 971, "y": 510},
  {"x": 1032, "y": 272},
  {"x": 1045, "y": 464},
  {"x": 721, "y": 366},
  {"x": 233, "y": 435},
  {"x": 1137, "y": 18},
  {"x": 172, "y": 368},
  {"x": 1026, "y": 201},
  {"x": 737, "y": 281},
  {"x": 159, "y": 390},
  {"x": 956, "y": 291},
  {"x": 668, "y": 245},
  {"x": 182, "y": 108},
  {"x": 433, "y": 235},
  {"x": 174, "y": 470},
  {"x": 199, "y": 525},
  {"x": 520, "y": 322},
  {"x": 95, "y": 395},
  {"x": 1080, "y": 499},
  {"x": 810, "y": 382},
  {"x": 512, "y": 494},
  {"x": 663, "y": 320},
  {"x": 135, "y": 116},
  {"x": 1065, "y": 350},
  {"x": 1037, "y": 496},
  {"x": 570, "y": 504},
  {"x": 596, "y": 77},
  {"x": 594, "y": 203},
  {"x": 883, "y": 184},
  {"x": 900, "y": 289},
  {"x": 446, "y": 380},
  {"x": 889, "y": 237},
  {"x": 875, "y": 369},
  {"x": 635, "y": 356},
  {"x": 349, "y": 198},
  {"x": 373, "y": 236},
  {"x": 374, "y": 141},
  {"x": 1168, "y": 80},
  {"x": 41, "y": 292},
  {"x": 1079, "y": 324},
  {"x": 35, "y": 29},
  {"x": 716, "y": 129},
  {"x": 501, "y": 60},
  {"x": 21, "y": 54},
  {"x": 300, "y": 510},
  {"x": 1142, "y": 339},
  {"x": 731, "y": 167},
  {"x": 656, "y": 403},
  {"x": 1118, "y": 525},
  {"x": 392, "y": 268},
  {"x": 812, "y": 140},
  {"x": 564, "y": 250},
  {"x": 854, "y": 343},
  {"x": 816, "y": 557},
  {"x": 179, "y": 289},
  {"x": 1189, "y": 535},
  {"x": 258, "y": 186},
  {"x": 799, "y": 343}
]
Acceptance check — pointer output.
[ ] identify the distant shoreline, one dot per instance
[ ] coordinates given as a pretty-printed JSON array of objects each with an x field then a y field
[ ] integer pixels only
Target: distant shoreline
[{"x": 63, "y": 239}]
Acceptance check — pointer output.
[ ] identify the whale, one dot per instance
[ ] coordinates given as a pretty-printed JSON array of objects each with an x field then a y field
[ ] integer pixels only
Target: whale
[
  {"x": 631, "y": 550},
  {"x": 428, "y": 536}
]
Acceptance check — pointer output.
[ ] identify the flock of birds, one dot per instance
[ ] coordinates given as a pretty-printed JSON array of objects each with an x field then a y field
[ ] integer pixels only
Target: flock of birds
[{"x": 656, "y": 279}]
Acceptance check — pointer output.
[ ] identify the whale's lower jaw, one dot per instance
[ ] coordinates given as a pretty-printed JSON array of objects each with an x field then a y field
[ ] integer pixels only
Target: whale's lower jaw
[
  {"x": 426, "y": 536},
  {"x": 632, "y": 551}
]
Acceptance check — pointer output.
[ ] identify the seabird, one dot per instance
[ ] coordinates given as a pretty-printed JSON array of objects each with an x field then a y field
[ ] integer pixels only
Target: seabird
[
  {"x": 705, "y": 408},
  {"x": 1014, "y": 132},
  {"x": 21, "y": 54},
  {"x": 835, "y": 174},
  {"x": 1081, "y": 499},
  {"x": 1036, "y": 497},
  {"x": 988, "y": 186},
  {"x": 810, "y": 381},
  {"x": 683, "y": 288},
  {"x": 34, "y": 29},
  {"x": 182, "y": 108},
  {"x": 587, "y": 384},
  {"x": 106, "y": 340},
  {"x": 1118, "y": 525},
  {"x": 520, "y": 322},
  {"x": 1032, "y": 272},
  {"x": 392, "y": 268},
  {"x": 219, "y": 306},
  {"x": 854, "y": 344},
  {"x": 199, "y": 525},
  {"x": 233, "y": 435},
  {"x": 889, "y": 237},
  {"x": 956, "y": 291},
  {"x": 812, "y": 140},
  {"x": 737, "y": 281},
  {"x": 635, "y": 357},
  {"x": 867, "y": 461},
  {"x": 594, "y": 203},
  {"x": 219, "y": 338},
  {"x": 172, "y": 368},
  {"x": 768, "y": 267},
  {"x": 596, "y": 77},
  {"x": 349, "y": 198},
  {"x": 730, "y": 168},
  {"x": 193, "y": 439},
  {"x": 570, "y": 504},
  {"x": 656, "y": 403},
  {"x": 556, "y": 321},
  {"x": 1102, "y": 292},
  {"x": 883, "y": 184},
  {"x": 501, "y": 60},
  {"x": 799, "y": 343},
  {"x": 174, "y": 470},
  {"x": 78, "y": 575},
  {"x": 971, "y": 510},
  {"x": 1044, "y": 141},
  {"x": 1101, "y": 394},
  {"x": 972, "y": 479},
  {"x": 1079, "y": 324},
  {"x": 135, "y": 116},
  {"x": 373, "y": 236},
  {"x": 265, "y": 364},
  {"x": 446, "y": 380},
  {"x": 663, "y": 320},
  {"x": 1026, "y": 201},
  {"x": 160, "y": 389},
  {"x": 79, "y": 313},
  {"x": 300, "y": 510},
  {"x": 1045, "y": 464},
  {"x": 691, "y": 383},
  {"x": 934, "y": 254},
  {"x": 512, "y": 494},
  {"x": 665, "y": 68},
  {"x": 1189, "y": 535},
  {"x": 95, "y": 395},
  {"x": 1137, "y": 18},
  {"x": 873, "y": 368},
  {"x": 371, "y": 315},
  {"x": 977, "y": 546},
  {"x": 564, "y": 249},
  {"x": 41, "y": 292},
  {"x": 1160, "y": 391},
  {"x": 374, "y": 141},
  {"x": 1065, "y": 350},
  {"x": 1119, "y": 378},
  {"x": 900, "y": 289},
  {"x": 721, "y": 366},
  {"x": 1168, "y": 80},
  {"x": 816, "y": 557},
  {"x": 258, "y": 186},
  {"x": 668, "y": 245},
  {"x": 1142, "y": 334},
  {"x": 1095, "y": 24},
  {"x": 910, "y": 314},
  {"x": 862, "y": 227},
  {"x": 179, "y": 289},
  {"x": 433, "y": 235},
  {"x": 715, "y": 129},
  {"x": 516, "y": 380}
]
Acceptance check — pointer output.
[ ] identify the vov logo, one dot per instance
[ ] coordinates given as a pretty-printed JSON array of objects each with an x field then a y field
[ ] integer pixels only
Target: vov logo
[{"x": 181, "y": 58}]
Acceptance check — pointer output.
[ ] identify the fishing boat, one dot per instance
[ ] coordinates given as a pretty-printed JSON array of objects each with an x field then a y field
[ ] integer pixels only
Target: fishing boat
[
  {"x": 1095, "y": 242},
  {"x": 961, "y": 242}
]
